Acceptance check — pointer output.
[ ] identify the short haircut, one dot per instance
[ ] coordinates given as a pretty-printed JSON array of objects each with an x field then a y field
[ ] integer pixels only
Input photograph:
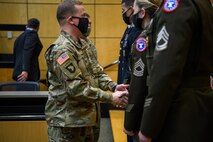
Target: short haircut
[
  {"x": 66, "y": 8},
  {"x": 33, "y": 23},
  {"x": 128, "y": 2}
]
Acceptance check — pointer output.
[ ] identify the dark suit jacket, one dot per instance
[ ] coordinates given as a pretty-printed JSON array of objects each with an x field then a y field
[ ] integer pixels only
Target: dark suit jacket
[{"x": 27, "y": 48}]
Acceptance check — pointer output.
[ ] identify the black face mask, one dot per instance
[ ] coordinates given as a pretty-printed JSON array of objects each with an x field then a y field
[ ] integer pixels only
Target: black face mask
[
  {"x": 83, "y": 24},
  {"x": 88, "y": 32},
  {"x": 137, "y": 21},
  {"x": 126, "y": 19}
]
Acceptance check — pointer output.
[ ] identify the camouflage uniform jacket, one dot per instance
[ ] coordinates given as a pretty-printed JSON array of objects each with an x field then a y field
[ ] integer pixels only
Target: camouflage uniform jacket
[{"x": 76, "y": 82}]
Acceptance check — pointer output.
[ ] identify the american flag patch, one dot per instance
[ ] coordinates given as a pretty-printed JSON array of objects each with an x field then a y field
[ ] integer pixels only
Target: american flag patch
[{"x": 62, "y": 58}]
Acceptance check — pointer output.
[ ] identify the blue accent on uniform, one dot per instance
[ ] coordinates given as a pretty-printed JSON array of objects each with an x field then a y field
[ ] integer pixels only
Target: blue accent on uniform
[
  {"x": 129, "y": 36},
  {"x": 141, "y": 44},
  {"x": 170, "y": 5}
]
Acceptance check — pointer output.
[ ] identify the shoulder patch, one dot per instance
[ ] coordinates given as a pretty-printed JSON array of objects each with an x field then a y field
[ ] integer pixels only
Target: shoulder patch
[
  {"x": 141, "y": 44},
  {"x": 63, "y": 58},
  {"x": 170, "y": 5},
  {"x": 71, "y": 68}
]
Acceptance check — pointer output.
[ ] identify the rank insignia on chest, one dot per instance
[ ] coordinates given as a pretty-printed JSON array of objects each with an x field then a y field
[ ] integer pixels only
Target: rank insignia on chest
[
  {"x": 63, "y": 58},
  {"x": 70, "y": 68},
  {"x": 170, "y": 5},
  {"x": 141, "y": 44}
]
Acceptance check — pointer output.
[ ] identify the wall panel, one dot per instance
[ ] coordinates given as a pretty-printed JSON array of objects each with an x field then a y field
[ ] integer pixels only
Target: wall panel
[
  {"x": 15, "y": 34},
  {"x": 23, "y": 131},
  {"x": 109, "y": 22},
  {"x": 88, "y": 1},
  {"x": 108, "y": 1},
  {"x": 6, "y": 75},
  {"x": 13, "y": 13},
  {"x": 112, "y": 74},
  {"x": 44, "y": 1},
  {"x": 6, "y": 45},
  {"x": 47, "y": 15},
  {"x": 108, "y": 50},
  {"x": 46, "y": 43},
  {"x": 14, "y": 1}
]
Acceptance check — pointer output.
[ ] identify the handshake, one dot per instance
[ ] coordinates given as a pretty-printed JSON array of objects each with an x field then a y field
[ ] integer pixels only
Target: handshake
[{"x": 120, "y": 96}]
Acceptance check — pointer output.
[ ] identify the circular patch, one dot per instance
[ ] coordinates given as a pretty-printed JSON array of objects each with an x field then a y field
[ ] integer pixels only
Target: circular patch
[
  {"x": 141, "y": 44},
  {"x": 170, "y": 5}
]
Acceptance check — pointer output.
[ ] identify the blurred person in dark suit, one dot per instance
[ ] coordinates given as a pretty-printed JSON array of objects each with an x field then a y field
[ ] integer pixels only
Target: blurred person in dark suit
[{"x": 27, "y": 48}]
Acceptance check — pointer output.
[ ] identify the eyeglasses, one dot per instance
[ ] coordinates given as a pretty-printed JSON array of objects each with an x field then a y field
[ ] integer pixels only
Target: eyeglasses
[{"x": 126, "y": 10}]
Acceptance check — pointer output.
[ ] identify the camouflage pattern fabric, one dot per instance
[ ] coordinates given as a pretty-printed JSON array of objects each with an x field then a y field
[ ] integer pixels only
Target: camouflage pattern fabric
[
  {"x": 66, "y": 134},
  {"x": 77, "y": 84}
]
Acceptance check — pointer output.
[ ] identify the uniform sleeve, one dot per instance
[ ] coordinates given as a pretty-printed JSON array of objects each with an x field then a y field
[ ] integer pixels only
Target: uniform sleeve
[
  {"x": 104, "y": 81},
  {"x": 66, "y": 68},
  {"x": 137, "y": 94},
  {"x": 30, "y": 43},
  {"x": 174, "y": 35}
]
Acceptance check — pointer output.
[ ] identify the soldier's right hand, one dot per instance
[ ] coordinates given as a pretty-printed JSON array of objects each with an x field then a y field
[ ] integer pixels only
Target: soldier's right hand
[{"x": 120, "y": 99}]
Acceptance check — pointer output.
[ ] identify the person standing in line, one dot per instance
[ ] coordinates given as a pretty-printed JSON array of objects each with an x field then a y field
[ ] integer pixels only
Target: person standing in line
[
  {"x": 129, "y": 36},
  {"x": 27, "y": 48},
  {"x": 77, "y": 81},
  {"x": 179, "y": 105},
  {"x": 143, "y": 14}
]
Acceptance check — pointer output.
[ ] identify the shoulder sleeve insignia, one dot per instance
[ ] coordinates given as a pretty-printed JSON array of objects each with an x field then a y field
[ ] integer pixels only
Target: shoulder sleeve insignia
[
  {"x": 141, "y": 44},
  {"x": 70, "y": 68},
  {"x": 170, "y": 5},
  {"x": 63, "y": 58}
]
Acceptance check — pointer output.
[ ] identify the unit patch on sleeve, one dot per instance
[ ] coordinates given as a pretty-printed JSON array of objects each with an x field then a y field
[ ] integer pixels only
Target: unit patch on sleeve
[
  {"x": 170, "y": 5},
  {"x": 162, "y": 39},
  {"x": 63, "y": 58},
  {"x": 71, "y": 68},
  {"x": 139, "y": 68},
  {"x": 141, "y": 44}
]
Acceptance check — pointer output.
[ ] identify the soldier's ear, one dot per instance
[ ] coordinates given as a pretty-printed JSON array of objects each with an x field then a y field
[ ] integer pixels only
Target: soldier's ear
[
  {"x": 142, "y": 13},
  {"x": 70, "y": 20}
]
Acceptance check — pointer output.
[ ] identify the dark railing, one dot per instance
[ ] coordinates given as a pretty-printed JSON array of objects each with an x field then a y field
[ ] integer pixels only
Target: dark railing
[{"x": 111, "y": 64}]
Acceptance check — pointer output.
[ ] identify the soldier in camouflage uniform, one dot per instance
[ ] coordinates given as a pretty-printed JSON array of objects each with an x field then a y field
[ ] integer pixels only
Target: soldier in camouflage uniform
[
  {"x": 77, "y": 81},
  {"x": 143, "y": 13}
]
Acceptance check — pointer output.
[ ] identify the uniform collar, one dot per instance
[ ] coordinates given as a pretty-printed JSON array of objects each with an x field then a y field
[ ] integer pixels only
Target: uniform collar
[{"x": 81, "y": 45}]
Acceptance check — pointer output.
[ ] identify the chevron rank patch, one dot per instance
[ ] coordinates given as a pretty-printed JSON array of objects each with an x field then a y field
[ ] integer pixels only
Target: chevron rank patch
[
  {"x": 162, "y": 39},
  {"x": 148, "y": 101},
  {"x": 141, "y": 44},
  {"x": 139, "y": 68},
  {"x": 170, "y": 5},
  {"x": 63, "y": 58}
]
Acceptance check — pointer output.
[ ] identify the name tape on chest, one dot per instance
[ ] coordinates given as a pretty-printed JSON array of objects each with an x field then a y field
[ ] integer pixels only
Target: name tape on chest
[
  {"x": 64, "y": 57},
  {"x": 162, "y": 39},
  {"x": 141, "y": 44},
  {"x": 170, "y": 5}
]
